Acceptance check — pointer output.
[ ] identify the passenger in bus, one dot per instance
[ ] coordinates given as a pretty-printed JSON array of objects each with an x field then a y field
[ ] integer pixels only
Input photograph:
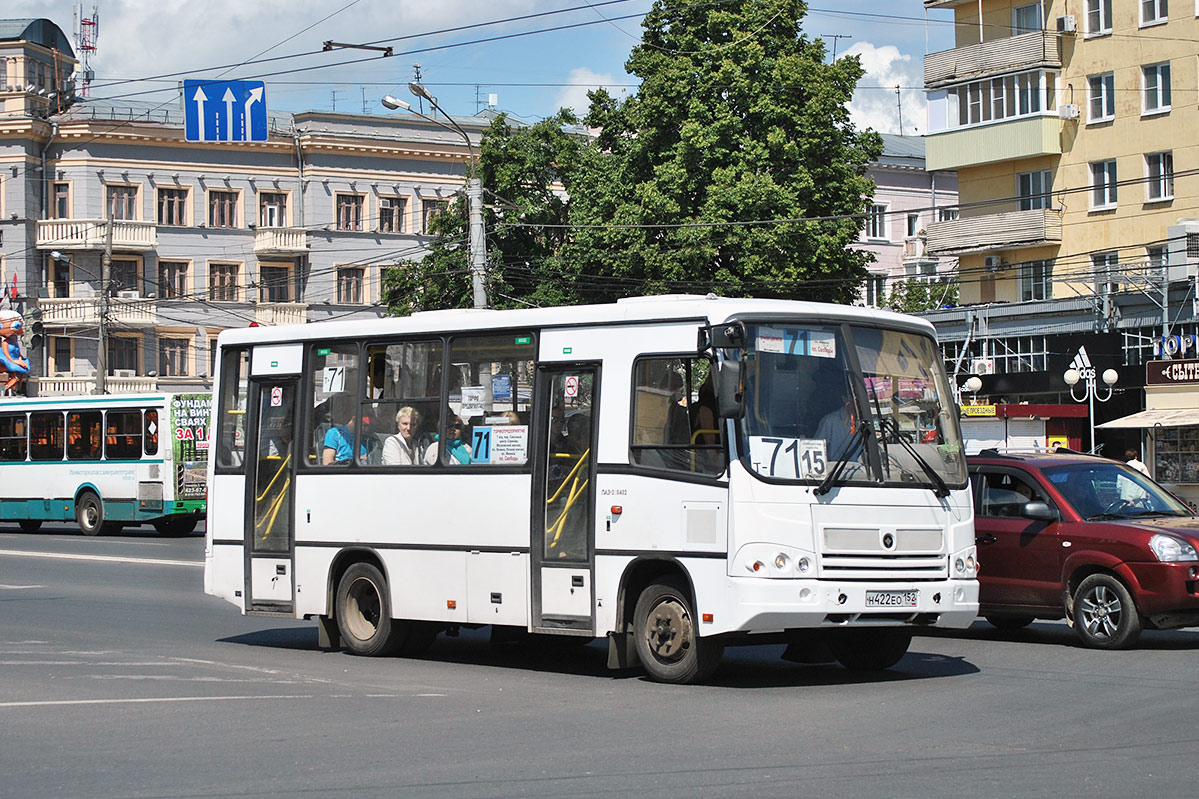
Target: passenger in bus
[
  {"x": 339, "y": 440},
  {"x": 840, "y": 425},
  {"x": 279, "y": 443},
  {"x": 403, "y": 448},
  {"x": 458, "y": 448}
]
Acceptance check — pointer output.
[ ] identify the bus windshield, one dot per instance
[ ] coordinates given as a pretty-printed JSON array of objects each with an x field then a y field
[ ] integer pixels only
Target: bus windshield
[{"x": 849, "y": 404}]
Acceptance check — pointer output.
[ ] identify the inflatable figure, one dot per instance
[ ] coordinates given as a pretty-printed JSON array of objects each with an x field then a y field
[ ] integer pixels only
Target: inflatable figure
[{"x": 11, "y": 361}]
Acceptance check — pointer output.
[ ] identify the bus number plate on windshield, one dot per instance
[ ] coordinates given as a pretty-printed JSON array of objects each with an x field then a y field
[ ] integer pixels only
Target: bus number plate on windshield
[
  {"x": 892, "y": 599},
  {"x": 788, "y": 458}
]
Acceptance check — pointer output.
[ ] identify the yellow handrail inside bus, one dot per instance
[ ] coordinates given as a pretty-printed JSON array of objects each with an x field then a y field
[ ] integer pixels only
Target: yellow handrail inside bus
[
  {"x": 282, "y": 466},
  {"x": 273, "y": 511},
  {"x": 576, "y": 490},
  {"x": 695, "y": 437},
  {"x": 582, "y": 460}
]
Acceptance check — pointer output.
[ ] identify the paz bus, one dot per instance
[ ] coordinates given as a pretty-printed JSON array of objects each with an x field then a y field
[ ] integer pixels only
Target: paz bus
[
  {"x": 673, "y": 474},
  {"x": 105, "y": 461}
]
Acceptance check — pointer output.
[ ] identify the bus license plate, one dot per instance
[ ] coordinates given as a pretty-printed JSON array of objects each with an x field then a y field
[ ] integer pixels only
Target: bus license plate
[{"x": 891, "y": 599}]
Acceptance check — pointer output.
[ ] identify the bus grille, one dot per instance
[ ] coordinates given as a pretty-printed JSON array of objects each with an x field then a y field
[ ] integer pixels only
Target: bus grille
[{"x": 873, "y": 553}]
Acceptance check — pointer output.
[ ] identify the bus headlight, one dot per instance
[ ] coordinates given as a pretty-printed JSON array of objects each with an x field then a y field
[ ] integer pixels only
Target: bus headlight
[
  {"x": 803, "y": 565},
  {"x": 965, "y": 564},
  {"x": 780, "y": 561}
]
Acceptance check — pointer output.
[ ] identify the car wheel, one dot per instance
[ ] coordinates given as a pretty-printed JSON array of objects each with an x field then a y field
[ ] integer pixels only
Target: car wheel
[
  {"x": 869, "y": 650},
  {"x": 1105, "y": 617},
  {"x": 667, "y": 641},
  {"x": 1009, "y": 623}
]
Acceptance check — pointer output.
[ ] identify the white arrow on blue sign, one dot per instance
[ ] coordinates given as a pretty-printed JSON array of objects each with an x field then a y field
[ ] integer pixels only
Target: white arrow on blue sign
[{"x": 228, "y": 110}]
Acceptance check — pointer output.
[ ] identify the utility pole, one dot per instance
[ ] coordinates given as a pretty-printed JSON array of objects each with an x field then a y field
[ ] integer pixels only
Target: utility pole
[
  {"x": 835, "y": 37},
  {"x": 105, "y": 278},
  {"x": 899, "y": 103}
]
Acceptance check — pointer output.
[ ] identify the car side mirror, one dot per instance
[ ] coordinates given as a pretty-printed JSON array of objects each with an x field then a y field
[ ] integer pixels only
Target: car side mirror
[{"x": 1038, "y": 510}]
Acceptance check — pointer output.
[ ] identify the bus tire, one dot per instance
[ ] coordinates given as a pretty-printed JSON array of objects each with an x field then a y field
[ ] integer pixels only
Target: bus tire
[
  {"x": 175, "y": 525},
  {"x": 869, "y": 649},
  {"x": 30, "y": 525},
  {"x": 666, "y": 635},
  {"x": 364, "y": 613},
  {"x": 89, "y": 513}
]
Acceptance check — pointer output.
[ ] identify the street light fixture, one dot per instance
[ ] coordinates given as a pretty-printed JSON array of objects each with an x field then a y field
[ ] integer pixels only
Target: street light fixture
[
  {"x": 474, "y": 188},
  {"x": 1090, "y": 391}
]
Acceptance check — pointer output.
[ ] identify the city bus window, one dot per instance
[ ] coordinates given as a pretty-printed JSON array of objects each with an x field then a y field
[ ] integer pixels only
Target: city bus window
[
  {"x": 490, "y": 385},
  {"x": 674, "y": 416},
  {"x": 152, "y": 430},
  {"x": 123, "y": 437},
  {"x": 83, "y": 435},
  {"x": 231, "y": 409},
  {"x": 13, "y": 442},
  {"x": 46, "y": 436},
  {"x": 336, "y": 425},
  {"x": 403, "y": 399}
]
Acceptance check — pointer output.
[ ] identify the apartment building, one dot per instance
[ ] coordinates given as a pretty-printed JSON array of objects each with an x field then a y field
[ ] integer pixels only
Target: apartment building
[{"x": 199, "y": 237}]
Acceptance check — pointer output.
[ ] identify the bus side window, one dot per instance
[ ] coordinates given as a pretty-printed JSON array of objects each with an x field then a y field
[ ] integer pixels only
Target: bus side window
[
  {"x": 46, "y": 436},
  {"x": 335, "y": 424},
  {"x": 231, "y": 409},
  {"x": 83, "y": 435},
  {"x": 152, "y": 429},
  {"x": 14, "y": 444},
  {"x": 491, "y": 390},
  {"x": 674, "y": 420},
  {"x": 123, "y": 436}
]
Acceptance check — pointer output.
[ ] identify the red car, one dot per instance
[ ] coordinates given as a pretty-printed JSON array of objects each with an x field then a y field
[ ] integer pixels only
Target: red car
[{"x": 1085, "y": 538}]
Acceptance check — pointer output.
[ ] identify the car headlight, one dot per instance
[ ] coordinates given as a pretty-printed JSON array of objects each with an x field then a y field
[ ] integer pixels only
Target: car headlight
[{"x": 1169, "y": 549}]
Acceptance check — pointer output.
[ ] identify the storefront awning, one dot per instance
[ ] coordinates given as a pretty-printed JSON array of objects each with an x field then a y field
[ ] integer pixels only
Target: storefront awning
[{"x": 1166, "y": 417}]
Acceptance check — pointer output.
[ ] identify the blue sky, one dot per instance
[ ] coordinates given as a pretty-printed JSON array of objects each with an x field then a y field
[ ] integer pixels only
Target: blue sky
[{"x": 531, "y": 75}]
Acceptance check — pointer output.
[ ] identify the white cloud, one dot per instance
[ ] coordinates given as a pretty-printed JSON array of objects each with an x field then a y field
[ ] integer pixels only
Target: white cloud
[
  {"x": 874, "y": 104},
  {"x": 583, "y": 80}
]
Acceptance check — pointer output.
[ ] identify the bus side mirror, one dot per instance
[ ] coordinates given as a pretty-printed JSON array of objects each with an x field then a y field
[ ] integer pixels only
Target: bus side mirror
[
  {"x": 727, "y": 336},
  {"x": 730, "y": 400}
]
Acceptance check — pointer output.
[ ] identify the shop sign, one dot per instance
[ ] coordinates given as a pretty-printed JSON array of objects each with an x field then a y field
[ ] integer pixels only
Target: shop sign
[
  {"x": 1178, "y": 346},
  {"x": 978, "y": 410},
  {"x": 1170, "y": 373}
]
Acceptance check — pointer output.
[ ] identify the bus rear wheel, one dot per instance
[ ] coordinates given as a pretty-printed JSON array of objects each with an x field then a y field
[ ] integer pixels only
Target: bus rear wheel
[
  {"x": 364, "y": 613},
  {"x": 89, "y": 513},
  {"x": 175, "y": 525},
  {"x": 665, "y": 634}
]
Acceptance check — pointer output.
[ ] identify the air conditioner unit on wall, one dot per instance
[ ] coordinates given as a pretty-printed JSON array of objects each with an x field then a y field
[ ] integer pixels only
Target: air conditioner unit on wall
[
  {"x": 123, "y": 373},
  {"x": 1068, "y": 111},
  {"x": 982, "y": 366},
  {"x": 129, "y": 294},
  {"x": 993, "y": 263},
  {"x": 1067, "y": 24}
]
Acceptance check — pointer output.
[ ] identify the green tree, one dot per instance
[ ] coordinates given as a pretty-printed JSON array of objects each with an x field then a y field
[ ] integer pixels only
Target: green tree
[
  {"x": 916, "y": 296},
  {"x": 738, "y": 122}
]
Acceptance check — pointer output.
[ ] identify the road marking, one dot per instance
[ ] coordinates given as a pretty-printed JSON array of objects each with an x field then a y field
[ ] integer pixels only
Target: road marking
[
  {"x": 16, "y": 553},
  {"x": 144, "y": 700},
  {"x": 18, "y": 587}
]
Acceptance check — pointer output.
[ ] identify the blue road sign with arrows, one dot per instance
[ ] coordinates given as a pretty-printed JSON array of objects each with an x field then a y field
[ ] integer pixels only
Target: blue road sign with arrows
[{"x": 228, "y": 110}]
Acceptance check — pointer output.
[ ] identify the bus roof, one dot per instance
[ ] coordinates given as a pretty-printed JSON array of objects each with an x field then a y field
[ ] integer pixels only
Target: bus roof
[{"x": 630, "y": 310}]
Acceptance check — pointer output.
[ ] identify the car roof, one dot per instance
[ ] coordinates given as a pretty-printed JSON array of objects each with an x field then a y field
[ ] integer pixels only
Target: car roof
[{"x": 1038, "y": 460}]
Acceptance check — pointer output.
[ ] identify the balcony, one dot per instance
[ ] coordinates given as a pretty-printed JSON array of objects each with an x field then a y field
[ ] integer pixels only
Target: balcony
[
  {"x": 280, "y": 241},
  {"x": 75, "y": 311},
  {"x": 915, "y": 248},
  {"x": 1026, "y": 51},
  {"x": 270, "y": 314},
  {"x": 70, "y": 385},
  {"x": 1009, "y": 230},
  {"x": 91, "y": 234},
  {"x": 1009, "y": 140}
]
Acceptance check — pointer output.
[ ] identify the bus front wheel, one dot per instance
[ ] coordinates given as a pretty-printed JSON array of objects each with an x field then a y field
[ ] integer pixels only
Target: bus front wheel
[
  {"x": 89, "y": 513},
  {"x": 364, "y": 613},
  {"x": 667, "y": 641}
]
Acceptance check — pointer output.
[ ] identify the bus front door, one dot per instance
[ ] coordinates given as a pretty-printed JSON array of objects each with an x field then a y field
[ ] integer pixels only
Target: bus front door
[
  {"x": 563, "y": 545},
  {"x": 269, "y": 505}
]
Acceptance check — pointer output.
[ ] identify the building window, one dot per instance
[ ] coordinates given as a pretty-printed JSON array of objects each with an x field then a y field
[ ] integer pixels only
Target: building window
[
  {"x": 122, "y": 202},
  {"x": 222, "y": 282},
  {"x": 123, "y": 276},
  {"x": 172, "y": 279},
  {"x": 876, "y": 290},
  {"x": 1154, "y": 12},
  {"x": 222, "y": 209},
  {"x": 62, "y": 201},
  {"x": 391, "y": 215},
  {"x": 350, "y": 283},
  {"x": 60, "y": 355},
  {"x": 1099, "y": 17},
  {"x": 1106, "y": 266},
  {"x": 947, "y": 214},
  {"x": 430, "y": 209},
  {"x": 1159, "y": 177},
  {"x": 1101, "y": 95},
  {"x": 876, "y": 223},
  {"x": 1103, "y": 185},
  {"x": 913, "y": 225},
  {"x": 122, "y": 354},
  {"x": 1034, "y": 189},
  {"x": 1156, "y": 256},
  {"x": 1026, "y": 19},
  {"x": 172, "y": 357},
  {"x": 274, "y": 283},
  {"x": 349, "y": 212},
  {"x": 1036, "y": 281},
  {"x": 272, "y": 209},
  {"x": 1006, "y": 97},
  {"x": 172, "y": 206},
  {"x": 1156, "y": 80}
]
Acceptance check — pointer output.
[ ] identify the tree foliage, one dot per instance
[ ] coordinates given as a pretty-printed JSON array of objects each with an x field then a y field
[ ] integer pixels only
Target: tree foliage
[
  {"x": 738, "y": 123},
  {"x": 917, "y": 296}
]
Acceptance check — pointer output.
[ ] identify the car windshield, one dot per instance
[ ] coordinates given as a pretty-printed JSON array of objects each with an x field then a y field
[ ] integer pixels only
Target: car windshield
[
  {"x": 876, "y": 399},
  {"x": 1110, "y": 490}
]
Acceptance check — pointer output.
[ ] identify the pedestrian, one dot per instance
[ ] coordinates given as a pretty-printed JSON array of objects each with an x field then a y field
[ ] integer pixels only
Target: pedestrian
[{"x": 1130, "y": 458}]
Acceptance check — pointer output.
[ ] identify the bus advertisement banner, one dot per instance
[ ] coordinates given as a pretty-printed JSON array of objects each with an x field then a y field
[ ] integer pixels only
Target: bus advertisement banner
[{"x": 190, "y": 414}]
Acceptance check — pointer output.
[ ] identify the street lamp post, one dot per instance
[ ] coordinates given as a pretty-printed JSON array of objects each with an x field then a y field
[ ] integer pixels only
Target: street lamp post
[
  {"x": 1091, "y": 392},
  {"x": 474, "y": 190}
]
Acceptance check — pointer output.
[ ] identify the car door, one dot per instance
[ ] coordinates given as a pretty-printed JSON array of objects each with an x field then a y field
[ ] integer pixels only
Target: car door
[{"x": 1020, "y": 559}]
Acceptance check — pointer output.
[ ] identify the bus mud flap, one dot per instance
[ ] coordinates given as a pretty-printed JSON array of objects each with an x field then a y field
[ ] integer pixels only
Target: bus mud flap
[{"x": 622, "y": 654}]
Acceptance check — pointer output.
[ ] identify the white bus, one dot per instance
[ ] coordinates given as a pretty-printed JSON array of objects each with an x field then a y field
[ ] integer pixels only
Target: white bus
[
  {"x": 675, "y": 474},
  {"x": 105, "y": 461}
]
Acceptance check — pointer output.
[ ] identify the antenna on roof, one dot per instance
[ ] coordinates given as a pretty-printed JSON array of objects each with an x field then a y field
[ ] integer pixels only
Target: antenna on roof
[{"x": 87, "y": 31}]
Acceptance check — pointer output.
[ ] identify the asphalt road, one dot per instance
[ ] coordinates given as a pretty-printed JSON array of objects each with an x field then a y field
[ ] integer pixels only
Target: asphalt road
[{"x": 119, "y": 677}]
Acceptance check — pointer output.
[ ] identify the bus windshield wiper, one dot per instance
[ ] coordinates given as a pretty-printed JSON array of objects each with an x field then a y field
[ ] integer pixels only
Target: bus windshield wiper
[
  {"x": 826, "y": 484},
  {"x": 940, "y": 487}
]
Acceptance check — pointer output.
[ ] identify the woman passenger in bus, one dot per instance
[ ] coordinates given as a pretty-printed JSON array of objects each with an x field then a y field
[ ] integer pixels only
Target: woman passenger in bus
[
  {"x": 403, "y": 448},
  {"x": 339, "y": 440},
  {"x": 458, "y": 449}
]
